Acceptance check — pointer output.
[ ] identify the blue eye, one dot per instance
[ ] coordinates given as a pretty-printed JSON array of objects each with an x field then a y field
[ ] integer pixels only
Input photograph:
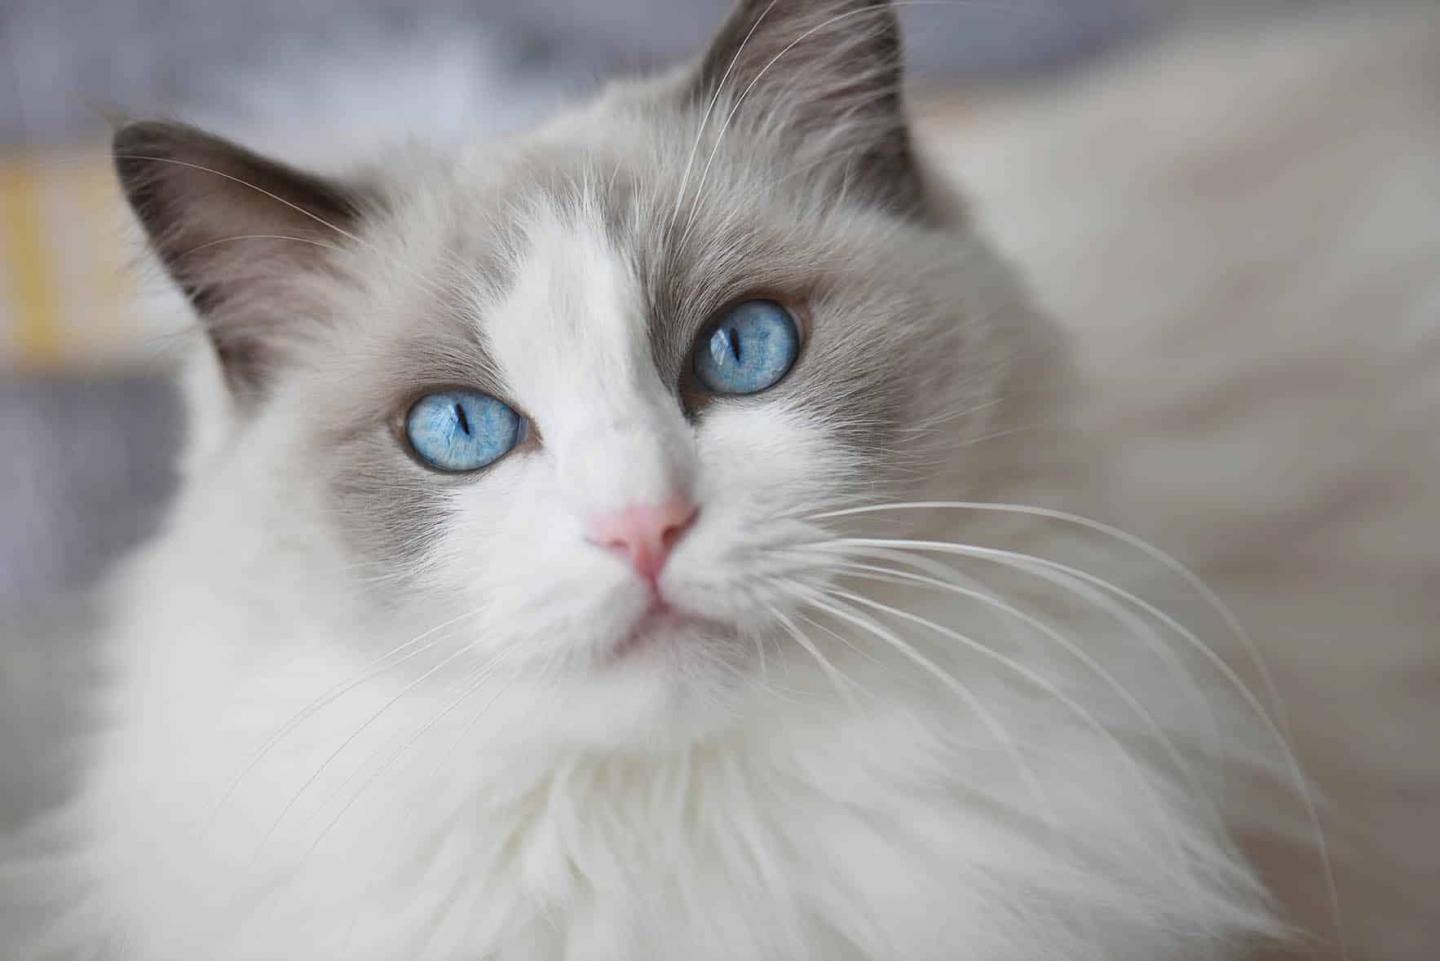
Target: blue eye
[
  {"x": 462, "y": 430},
  {"x": 751, "y": 349}
]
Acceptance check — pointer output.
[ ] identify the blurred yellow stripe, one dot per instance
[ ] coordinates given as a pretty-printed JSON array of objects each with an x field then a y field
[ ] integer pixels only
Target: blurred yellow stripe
[
  {"x": 32, "y": 278},
  {"x": 103, "y": 208}
]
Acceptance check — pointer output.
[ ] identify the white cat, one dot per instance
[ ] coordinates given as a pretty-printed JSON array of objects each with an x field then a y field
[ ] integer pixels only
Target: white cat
[{"x": 559, "y": 571}]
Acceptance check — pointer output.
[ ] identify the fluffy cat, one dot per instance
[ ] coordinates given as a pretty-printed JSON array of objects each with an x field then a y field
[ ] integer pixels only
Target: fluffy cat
[{"x": 594, "y": 545}]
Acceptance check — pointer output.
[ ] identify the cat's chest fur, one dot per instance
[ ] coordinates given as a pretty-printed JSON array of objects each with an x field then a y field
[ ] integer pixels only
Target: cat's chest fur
[
  {"x": 900, "y": 824},
  {"x": 817, "y": 837}
]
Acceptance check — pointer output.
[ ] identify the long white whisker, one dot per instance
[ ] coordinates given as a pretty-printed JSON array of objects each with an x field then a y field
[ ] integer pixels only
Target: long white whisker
[
  {"x": 709, "y": 109},
  {"x": 375, "y": 668},
  {"x": 871, "y": 571},
  {"x": 971, "y": 700},
  {"x": 760, "y": 655},
  {"x": 372, "y": 719},
  {"x": 1105, "y": 603},
  {"x": 843, "y": 685},
  {"x": 353, "y": 238},
  {"x": 469, "y": 725},
  {"x": 841, "y": 638},
  {"x": 244, "y": 183},
  {"x": 1142, "y": 781},
  {"x": 307, "y": 241},
  {"x": 1028, "y": 562},
  {"x": 882, "y": 10},
  {"x": 1192, "y": 579},
  {"x": 470, "y": 690},
  {"x": 739, "y": 102}
]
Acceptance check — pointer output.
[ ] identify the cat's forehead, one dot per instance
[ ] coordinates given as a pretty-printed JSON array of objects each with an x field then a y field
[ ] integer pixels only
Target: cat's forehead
[
  {"x": 572, "y": 315},
  {"x": 578, "y": 242},
  {"x": 590, "y": 256}
]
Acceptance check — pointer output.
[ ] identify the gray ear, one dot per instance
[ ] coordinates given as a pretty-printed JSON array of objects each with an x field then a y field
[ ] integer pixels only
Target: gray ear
[
  {"x": 825, "y": 75},
  {"x": 235, "y": 230}
]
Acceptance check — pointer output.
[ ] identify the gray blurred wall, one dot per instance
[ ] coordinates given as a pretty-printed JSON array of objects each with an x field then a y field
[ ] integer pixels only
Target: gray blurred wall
[{"x": 63, "y": 63}]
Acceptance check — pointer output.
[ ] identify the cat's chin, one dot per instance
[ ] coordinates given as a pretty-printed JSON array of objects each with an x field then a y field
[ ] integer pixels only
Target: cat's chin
[
  {"x": 666, "y": 636},
  {"x": 671, "y": 678},
  {"x": 638, "y": 708}
]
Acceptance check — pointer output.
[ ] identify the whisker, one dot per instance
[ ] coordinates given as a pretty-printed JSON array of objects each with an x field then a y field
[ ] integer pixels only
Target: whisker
[
  {"x": 1193, "y": 580},
  {"x": 375, "y": 668},
  {"x": 844, "y": 686},
  {"x": 467, "y": 727},
  {"x": 882, "y": 10},
  {"x": 1108, "y": 606},
  {"x": 350, "y": 739},
  {"x": 484, "y": 676},
  {"x": 477, "y": 675},
  {"x": 841, "y": 638},
  {"x": 244, "y": 183},
  {"x": 870, "y": 571},
  {"x": 1027, "y": 562},
  {"x": 1142, "y": 781},
  {"x": 971, "y": 700},
  {"x": 230, "y": 240},
  {"x": 408, "y": 269},
  {"x": 709, "y": 109},
  {"x": 760, "y": 656}
]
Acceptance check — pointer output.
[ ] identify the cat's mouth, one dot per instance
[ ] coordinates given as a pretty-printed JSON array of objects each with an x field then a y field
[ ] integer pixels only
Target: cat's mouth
[{"x": 661, "y": 623}]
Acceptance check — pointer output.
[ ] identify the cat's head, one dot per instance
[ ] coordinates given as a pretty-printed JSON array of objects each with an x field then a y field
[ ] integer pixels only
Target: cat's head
[{"x": 580, "y": 395}]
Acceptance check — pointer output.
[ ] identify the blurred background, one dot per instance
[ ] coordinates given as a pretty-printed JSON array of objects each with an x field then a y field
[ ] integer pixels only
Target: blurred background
[{"x": 87, "y": 418}]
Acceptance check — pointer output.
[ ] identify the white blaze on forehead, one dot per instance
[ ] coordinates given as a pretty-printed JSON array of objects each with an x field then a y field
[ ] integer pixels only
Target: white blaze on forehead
[{"x": 570, "y": 336}]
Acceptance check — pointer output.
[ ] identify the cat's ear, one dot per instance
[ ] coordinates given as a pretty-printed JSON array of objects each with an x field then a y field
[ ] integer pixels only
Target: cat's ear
[
  {"x": 824, "y": 74},
  {"x": 236, "y": 231}
]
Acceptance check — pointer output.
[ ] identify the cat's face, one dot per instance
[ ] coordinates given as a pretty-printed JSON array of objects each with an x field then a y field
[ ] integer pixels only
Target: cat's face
[{"x": 580, "y": 397}]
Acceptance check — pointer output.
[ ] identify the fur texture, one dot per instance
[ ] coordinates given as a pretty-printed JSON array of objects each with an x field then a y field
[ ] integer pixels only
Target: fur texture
[{"x": 361, "y": 710}]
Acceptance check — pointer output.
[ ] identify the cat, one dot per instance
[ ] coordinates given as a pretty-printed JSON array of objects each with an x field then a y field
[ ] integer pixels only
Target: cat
[{"x": 647, "y": 537}]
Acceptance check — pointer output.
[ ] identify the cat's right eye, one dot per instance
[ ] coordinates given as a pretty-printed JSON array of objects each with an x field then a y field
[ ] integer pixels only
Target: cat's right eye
[{"x": 457, "y": 431}]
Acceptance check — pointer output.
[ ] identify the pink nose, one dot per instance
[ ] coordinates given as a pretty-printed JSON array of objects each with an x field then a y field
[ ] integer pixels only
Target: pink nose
[{"x": 643, "y": 533}]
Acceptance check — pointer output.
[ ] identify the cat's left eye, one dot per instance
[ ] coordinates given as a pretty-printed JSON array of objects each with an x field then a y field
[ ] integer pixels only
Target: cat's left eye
[
  {"x": 462, "y": 430},
  {"x": 750, "y": 348}
]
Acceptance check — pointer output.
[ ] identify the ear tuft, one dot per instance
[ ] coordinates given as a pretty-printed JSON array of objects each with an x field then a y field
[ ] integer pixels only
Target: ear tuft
[{"x": 233, "y": 229}]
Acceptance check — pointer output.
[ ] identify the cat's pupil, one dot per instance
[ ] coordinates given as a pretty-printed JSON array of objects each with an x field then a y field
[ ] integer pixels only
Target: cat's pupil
[
  {"x": 734, "y": 343},
  {"x": 464, "y": 421}
]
